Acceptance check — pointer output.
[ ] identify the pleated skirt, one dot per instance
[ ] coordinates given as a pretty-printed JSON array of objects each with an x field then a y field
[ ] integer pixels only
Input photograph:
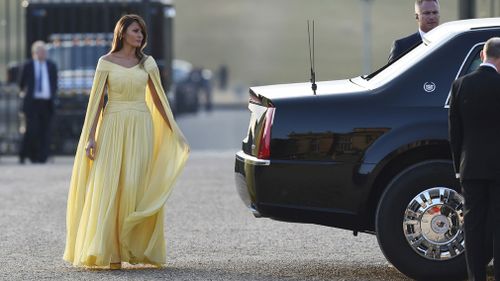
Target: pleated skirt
[{"x": 116, "y": 185}]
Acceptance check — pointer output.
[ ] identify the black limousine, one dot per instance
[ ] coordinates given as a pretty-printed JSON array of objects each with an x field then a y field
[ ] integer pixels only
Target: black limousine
[{"x": 369, "y": 154}]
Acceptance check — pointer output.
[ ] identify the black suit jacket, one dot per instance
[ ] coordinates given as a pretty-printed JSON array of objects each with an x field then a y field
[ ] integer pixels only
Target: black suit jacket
[
  {"x": 402, "y": 45},
  {"x": 474, "y": 127},
  {"x": 27, "y": 84}
]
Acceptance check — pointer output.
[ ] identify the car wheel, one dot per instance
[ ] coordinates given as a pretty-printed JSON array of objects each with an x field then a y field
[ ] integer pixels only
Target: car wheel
[{"x": 419, "y": 222}]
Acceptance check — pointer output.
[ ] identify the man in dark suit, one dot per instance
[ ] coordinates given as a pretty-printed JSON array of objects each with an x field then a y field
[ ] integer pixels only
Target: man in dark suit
[
  {"x": 38, "y": 81},
  {"x": 427, "y": 16},
  {"x": 475, "y": 145}
]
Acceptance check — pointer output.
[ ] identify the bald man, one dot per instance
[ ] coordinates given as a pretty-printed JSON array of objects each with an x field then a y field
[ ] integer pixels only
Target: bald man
[{"x": 474, "y": 136}]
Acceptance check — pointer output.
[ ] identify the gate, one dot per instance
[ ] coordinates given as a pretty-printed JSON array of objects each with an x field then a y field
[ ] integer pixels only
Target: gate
[{"x": 77, "y": 33}]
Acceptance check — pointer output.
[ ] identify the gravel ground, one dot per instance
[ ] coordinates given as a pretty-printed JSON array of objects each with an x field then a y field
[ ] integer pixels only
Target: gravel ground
[{"x": 210, "y": 234}]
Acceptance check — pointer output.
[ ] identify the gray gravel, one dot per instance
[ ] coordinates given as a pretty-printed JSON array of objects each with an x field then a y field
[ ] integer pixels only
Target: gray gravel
[{"x": 210, "y": 234}]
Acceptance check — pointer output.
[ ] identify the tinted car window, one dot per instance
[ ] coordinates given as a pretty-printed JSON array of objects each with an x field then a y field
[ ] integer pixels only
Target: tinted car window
[
  {"x": 474, "y": 64},
  {"x": 472, "y": 61}
]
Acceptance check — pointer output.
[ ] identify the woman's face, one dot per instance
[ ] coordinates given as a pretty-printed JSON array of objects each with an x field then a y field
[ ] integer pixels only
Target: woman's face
[{"x": 133, "y": 35}]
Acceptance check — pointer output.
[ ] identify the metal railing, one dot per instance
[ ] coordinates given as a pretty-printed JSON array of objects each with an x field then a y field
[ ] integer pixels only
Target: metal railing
[
  {"x": 65, "y": 127},
  {"x": 10, "y": 120}
]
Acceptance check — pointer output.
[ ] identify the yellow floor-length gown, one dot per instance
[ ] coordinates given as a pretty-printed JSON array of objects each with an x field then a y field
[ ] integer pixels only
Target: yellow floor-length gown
[{"x": 115, "y": 202}]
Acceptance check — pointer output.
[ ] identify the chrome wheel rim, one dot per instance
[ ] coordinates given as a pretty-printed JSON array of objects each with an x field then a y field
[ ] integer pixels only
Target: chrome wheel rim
[{"x": 433, "y": 224}]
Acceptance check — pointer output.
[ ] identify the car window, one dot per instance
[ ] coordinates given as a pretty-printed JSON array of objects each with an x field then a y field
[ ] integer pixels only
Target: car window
[
  {"x": 474, "y": 65},
  {"x": 76, "y": 57},
  {"x": 471, "y": 63},
  {"x": 391, "y": 70},
  {"x": 180, "y": 75}
]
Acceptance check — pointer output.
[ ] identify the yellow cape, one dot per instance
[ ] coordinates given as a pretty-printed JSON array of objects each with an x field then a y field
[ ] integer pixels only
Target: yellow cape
[{"x": 170, "y": 152}]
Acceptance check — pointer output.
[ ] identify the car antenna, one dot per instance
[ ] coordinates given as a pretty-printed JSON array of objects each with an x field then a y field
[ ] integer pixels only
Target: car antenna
[{"x": 311, "y": 57}]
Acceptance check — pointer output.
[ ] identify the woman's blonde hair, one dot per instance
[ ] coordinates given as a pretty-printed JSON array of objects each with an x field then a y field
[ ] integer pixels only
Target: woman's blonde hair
[{"x": 121, "y": 27}]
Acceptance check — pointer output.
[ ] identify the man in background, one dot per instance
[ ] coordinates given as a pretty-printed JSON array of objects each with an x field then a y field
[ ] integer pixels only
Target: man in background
[
  {"x": 38, "y": 81},
  {"x": 427, "y": 16}
]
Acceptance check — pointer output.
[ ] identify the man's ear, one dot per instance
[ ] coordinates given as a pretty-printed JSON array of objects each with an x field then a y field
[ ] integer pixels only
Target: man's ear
[
  {"x": 416, "y": 16},
  {"x": 482, "y": 55}
]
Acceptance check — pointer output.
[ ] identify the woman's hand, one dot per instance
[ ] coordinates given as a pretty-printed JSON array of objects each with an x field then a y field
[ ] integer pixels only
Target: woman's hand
[{"x": 90, "y": 148}]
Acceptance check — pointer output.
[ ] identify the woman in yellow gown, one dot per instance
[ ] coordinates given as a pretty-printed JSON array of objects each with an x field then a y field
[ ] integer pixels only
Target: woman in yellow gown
[{"x": 129, "y": 155}]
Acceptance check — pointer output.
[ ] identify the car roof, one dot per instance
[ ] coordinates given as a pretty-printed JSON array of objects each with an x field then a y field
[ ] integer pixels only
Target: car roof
[
  {"x": 446, "y": 31},
  {"x": 182, "y": 64}
]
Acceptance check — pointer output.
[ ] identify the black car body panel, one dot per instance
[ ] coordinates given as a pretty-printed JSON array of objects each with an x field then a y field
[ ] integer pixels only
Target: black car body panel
[
  {"x": 328, "y": 150},
  {"x": 369, "y": 154}
]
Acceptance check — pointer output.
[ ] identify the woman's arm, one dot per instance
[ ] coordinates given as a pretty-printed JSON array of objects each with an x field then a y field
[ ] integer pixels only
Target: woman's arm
[
  {"x": 157, "y": 102},
  {"x": 90, "y": 148}
]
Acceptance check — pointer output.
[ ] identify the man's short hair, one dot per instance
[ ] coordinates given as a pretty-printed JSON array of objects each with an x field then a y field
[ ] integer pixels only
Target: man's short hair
[
  {"x": 418, "y": 3},
  {"x": 492, "y": 48},
  {"x": 36, "y": 45}
]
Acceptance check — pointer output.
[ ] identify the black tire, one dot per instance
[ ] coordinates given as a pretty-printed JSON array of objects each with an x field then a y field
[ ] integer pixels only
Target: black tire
[{"x": 389, "y": 222}]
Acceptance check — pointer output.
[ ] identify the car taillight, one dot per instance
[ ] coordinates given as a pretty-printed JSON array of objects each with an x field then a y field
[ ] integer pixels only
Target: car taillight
[{"x": 265, "y": 139}]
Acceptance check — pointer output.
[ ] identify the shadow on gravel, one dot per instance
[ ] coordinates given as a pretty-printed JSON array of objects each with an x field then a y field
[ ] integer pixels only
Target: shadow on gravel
[{"x": 242, "y": 270}]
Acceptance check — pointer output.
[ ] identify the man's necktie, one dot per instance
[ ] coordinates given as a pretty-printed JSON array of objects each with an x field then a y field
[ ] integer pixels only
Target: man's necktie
[{"x": 38, "y": 81}]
